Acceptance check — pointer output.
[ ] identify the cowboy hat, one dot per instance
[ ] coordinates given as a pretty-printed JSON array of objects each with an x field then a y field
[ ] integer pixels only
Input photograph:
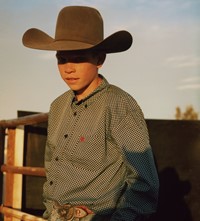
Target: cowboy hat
[{"x": 78, "y": 28}]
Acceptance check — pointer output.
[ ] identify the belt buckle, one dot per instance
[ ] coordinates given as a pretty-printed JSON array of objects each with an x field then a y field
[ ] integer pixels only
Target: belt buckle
[
  {"x": 67, "y": 212},
  {"x": 79, "y": 212}
]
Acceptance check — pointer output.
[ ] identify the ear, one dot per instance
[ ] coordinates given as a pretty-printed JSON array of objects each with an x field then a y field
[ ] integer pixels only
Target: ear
[{"x": 101, "y": 59}]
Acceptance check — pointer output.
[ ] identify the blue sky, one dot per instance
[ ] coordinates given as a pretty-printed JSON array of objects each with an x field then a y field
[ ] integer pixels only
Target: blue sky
[{"x": 161, "y": 70}]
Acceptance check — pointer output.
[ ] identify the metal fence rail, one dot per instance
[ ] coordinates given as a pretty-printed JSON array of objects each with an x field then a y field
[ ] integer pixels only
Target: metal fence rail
[{"x": 13, "y": 213}]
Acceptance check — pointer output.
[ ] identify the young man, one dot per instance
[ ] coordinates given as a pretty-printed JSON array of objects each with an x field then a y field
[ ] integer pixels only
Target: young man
[{"x": 98, "y": 160}]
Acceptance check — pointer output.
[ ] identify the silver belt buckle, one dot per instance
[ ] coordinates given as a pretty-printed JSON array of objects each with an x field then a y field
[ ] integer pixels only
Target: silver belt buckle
[
  {"x": 67, "y": 212},
  {"x": 79, "y": 212}
]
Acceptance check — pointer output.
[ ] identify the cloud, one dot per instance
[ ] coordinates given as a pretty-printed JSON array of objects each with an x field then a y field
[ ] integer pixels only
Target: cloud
[
  {"x": 190, "y": 83},
  {"x": 184, "y": 61},
  {"x": 189, "y": 87},
  {"x": 191, "y": 79}
]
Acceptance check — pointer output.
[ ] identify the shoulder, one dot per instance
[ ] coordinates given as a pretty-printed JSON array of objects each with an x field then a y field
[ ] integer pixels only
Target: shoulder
[
  {"x": 120, "y": 97},
  {"x": 60, "y": 104},
  {"x": 61, "y": 100},
  {"x": 124, "y": 110}
]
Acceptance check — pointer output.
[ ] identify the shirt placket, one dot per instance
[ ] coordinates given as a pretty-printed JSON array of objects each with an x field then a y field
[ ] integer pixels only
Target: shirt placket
[{"x": 67, "y": 140}]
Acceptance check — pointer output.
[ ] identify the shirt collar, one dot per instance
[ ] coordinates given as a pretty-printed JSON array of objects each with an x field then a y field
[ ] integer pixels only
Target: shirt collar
[{"x": 91, "y": 97}]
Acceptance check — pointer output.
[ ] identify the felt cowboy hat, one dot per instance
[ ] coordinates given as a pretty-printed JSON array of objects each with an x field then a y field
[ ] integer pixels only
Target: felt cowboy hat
[{"x": 78, "y": 28}]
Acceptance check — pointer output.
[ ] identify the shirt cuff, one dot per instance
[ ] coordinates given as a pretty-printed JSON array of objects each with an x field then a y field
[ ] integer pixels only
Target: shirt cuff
[{"x": 125, "y": 214}]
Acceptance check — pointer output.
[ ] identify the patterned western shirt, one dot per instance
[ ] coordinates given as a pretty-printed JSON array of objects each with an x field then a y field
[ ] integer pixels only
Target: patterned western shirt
[{"x": 98, "y": 155}]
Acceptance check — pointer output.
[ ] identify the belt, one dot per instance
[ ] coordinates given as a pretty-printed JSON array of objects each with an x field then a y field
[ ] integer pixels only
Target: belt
[{"x": 68, "y": 212}]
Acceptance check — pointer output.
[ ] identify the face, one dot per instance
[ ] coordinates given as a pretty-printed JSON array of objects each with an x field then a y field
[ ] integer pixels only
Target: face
[{"x": 80, "y": 71}]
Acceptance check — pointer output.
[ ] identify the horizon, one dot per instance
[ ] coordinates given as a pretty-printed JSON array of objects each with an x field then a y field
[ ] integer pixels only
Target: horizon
[{"x": 161, "y": 70}]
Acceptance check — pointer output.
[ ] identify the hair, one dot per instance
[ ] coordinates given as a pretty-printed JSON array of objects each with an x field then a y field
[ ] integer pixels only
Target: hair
[{"x": 101, "y": 56}]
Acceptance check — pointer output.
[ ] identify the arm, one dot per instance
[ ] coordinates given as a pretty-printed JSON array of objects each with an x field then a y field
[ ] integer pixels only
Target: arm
[
  {"x": 141, "y": 193},
  {"x": 47, "y": 160}
]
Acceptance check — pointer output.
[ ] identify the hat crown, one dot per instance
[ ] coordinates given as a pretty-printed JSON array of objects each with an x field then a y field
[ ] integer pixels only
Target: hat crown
[{"x": 79, "y": 23}]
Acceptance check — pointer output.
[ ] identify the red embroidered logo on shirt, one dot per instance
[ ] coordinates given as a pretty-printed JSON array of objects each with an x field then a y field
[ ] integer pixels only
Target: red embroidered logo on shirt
[{"x": 82, "y": 139}]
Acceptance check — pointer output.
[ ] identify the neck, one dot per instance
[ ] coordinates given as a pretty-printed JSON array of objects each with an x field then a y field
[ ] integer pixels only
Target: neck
[{"x": 85, "y": 92}]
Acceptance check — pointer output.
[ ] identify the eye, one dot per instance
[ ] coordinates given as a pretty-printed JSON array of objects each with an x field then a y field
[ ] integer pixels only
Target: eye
[
  {"x": 79, "y": 59},
  {"x": 65, "y": 58},
  {"x": 61, "y": 60}
]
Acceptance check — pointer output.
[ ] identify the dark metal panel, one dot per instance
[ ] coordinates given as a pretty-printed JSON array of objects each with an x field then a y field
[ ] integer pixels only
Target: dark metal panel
[{"x": 176, "y": 146}]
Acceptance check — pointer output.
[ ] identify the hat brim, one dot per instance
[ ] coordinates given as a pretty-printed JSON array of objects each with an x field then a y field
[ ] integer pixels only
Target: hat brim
[{"x": 37, "y": 39}]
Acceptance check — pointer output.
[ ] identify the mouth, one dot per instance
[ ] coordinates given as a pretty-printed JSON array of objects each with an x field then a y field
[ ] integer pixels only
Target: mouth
[{"x": 72, "y": 80}]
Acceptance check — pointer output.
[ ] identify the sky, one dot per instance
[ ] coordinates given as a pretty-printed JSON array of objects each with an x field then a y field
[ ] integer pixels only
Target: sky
[{"x": 161, "y": 70}]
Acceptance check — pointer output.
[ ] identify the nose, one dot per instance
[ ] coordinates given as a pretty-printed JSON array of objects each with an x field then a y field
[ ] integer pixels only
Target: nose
[{"x": 69, "y": 68}]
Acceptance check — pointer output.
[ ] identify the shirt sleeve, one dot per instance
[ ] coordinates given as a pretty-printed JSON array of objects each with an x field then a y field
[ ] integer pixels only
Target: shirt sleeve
[
  {"x": 141, "y": 185},
  {"x": 47, "y": 160},
  {"x": 48, "y": 147}
]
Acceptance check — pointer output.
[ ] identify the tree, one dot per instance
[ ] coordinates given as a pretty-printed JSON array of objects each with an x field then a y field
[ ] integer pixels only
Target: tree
[{"x": 188, "y": 114}]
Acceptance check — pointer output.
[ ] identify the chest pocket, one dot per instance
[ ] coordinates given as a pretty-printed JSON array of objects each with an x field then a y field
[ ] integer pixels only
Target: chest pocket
[{"x": 90, "y": 152}]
